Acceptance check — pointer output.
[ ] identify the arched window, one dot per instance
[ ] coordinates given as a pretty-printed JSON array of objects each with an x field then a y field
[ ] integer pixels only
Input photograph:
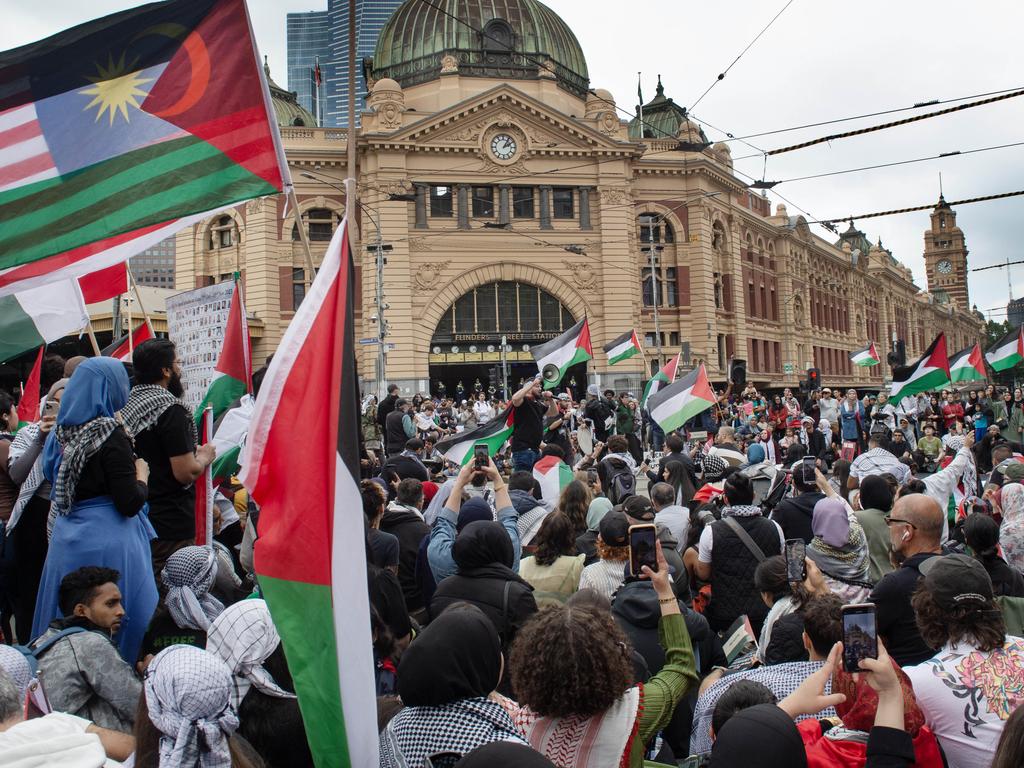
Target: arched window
[
  {"x": 223, "y": 234},
  {"x": 298, "y": 122},
  {"x": 498, "y": 36},
  {"x": 320, "y": 223},
  {"x": 504, "y": 307}
]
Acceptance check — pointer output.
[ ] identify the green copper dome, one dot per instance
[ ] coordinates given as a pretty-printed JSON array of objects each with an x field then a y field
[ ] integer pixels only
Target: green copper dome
[
  {"x": 662, "y": 119},
  {"x": 502, "y": 39}
]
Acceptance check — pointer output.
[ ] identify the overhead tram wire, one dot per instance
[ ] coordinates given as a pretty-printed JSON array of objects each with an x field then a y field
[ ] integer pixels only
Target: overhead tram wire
[
  {"x": 912, "y": 209},
  {"x": 725, "y": 72}
]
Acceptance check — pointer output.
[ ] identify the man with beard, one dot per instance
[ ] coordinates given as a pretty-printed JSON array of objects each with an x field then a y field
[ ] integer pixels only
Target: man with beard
[{"x": 165, "y": 436}]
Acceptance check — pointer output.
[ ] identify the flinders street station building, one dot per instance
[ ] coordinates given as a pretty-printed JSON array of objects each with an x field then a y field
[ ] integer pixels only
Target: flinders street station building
[{"x": 511, "y": 196}]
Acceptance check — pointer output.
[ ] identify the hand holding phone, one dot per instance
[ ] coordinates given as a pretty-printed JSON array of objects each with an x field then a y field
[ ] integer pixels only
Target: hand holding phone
[
  {"x": 796, "y": 568},
  {"x": 481, "y": 456},
  {"x": 860, "y": 635},
  {"x": 643, "y": 540}
]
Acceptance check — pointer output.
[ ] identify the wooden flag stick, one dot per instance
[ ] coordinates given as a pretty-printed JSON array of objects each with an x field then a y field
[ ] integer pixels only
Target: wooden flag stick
[
  {"x": 138, "y": 294},
  {"x": 92, "y": 338},
  {"x": 303, "y": 236}
]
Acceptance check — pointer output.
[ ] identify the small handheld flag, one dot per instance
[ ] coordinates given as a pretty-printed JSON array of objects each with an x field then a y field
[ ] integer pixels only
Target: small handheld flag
[
  {"x": 662, "y": 378},
  {"x": 458, "y": 448},
  {"x": 865, "y": 356},
  {"x": 1007, "y": 352},
  {"x": 557, "y": 356},
  {"x": 623, "y": 348},
  {"x": 930, "y": 371},
  {"x": 967, "y": 365},
  {"x": 28, "y": 406},
  {"x": 674, "y": 405},
  {"x": 121, "y": 348}
]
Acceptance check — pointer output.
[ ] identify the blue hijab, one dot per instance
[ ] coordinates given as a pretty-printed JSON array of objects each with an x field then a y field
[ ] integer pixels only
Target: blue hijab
[{"x": 98, "y": 388}]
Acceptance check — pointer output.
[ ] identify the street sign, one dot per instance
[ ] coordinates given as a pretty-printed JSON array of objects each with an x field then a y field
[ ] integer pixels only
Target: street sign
[
  {"x": 788, "y": 368},
  {"x": 369, "y": 341}
]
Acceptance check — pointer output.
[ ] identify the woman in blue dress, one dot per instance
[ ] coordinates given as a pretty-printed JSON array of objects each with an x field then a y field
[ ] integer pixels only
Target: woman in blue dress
[{"x": 99, "y": 495}]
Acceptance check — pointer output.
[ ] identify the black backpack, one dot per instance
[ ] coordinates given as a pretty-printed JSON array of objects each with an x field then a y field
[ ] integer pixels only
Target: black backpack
[{"x": 621, "y": 481}]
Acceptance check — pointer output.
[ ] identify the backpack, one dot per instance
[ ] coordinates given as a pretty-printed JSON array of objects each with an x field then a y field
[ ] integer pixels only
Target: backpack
[
  {"x": 32, "y": 654},
  {"x": 621, "y": 482}
]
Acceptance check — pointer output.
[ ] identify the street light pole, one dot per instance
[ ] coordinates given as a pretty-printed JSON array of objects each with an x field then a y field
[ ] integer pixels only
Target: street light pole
[
  {"x": 382, "y": 326},
  {"x": 655, "y": 285}
]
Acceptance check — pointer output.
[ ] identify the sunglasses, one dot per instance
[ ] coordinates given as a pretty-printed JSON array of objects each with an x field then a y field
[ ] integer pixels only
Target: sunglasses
[{"x": 892, "y": 520}]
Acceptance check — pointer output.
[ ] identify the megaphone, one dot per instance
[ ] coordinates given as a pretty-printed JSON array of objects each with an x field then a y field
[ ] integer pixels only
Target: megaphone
[{"x": 550, "y": 373}]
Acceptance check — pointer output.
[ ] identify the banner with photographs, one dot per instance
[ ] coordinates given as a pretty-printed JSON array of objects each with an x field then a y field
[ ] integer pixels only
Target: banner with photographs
[{"x": 195, "y": 323}]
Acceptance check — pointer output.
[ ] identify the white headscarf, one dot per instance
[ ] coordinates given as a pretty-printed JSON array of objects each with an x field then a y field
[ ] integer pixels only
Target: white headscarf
[
  {"x": 244, "y": 636},
  {"x": 188, "y": 694},
  {"x": 188, "y": 576},
  {"x": 437, "y": 503}
]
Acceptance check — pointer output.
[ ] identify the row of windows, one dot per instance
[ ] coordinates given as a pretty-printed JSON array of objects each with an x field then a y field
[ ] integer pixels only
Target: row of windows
[
  {"x": 504, "y": 307},
  {"x": 524, "y": 202},
  {"x": 764, "y": 355},
  {"x": 832, "y": 361},
  {"x": 762, "y": 302},
  {"x": 662, "y": 283}
]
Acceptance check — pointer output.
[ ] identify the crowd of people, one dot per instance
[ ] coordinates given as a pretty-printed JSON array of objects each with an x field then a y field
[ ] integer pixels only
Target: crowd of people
[{"x": 510, "y": 623}]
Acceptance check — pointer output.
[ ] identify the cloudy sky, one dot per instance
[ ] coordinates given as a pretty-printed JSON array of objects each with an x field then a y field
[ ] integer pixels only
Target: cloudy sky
[{"x": 821, "y": 60}]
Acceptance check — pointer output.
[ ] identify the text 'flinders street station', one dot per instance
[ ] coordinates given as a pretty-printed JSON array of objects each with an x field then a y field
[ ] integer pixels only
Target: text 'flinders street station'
[{"x": 510, "y": 197}]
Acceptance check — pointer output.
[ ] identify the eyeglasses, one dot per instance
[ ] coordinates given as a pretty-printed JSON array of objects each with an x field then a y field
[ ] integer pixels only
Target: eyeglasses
[{"x": 892, "y": 520}]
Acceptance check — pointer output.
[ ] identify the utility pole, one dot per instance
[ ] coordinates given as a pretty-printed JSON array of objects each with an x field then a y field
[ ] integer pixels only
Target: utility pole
[
  {"x": 654, "y": 257},
  {"x": 504, "y": 367},
  {"x": 382, "y": 324}
]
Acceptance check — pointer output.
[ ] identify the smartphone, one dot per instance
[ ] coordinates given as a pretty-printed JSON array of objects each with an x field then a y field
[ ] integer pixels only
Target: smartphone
[
  {"x": 643, "y": 547},
  {"x": 796, "y": 568},
  {"x": 480, "y": 455},
  {"x": 51, "y": 407},
  {"x": 860, "y": 635}
]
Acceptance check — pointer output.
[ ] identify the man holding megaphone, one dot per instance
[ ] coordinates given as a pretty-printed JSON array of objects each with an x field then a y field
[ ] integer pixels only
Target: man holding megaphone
[{"x": 529, "y": 411}]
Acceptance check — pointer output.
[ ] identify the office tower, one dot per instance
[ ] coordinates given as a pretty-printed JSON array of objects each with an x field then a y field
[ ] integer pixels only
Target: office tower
[
  {"x": 155, "y": 265},
  {"x": 308, "y": 42}
]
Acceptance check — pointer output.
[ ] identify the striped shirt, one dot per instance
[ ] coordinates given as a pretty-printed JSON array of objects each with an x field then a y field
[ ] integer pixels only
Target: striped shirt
[
  {"x": 604, "y": 576},
  {"x": 878, "y": 461}
]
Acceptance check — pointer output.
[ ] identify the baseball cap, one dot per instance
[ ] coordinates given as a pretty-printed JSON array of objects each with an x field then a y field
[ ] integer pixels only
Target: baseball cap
[
  {"x": 614, "y": 529},
  {"x": 957, "y": 580},
  {"x": 638, "y": 508},
  {"x": 563, "y": 396},
  {"x": 593, "y": 390},
  {"x": 1014, "y": 471}
]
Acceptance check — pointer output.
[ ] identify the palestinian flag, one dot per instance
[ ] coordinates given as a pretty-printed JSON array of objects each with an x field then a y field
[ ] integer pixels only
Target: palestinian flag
[
  {"x": 1008, "y": 351},
  {"x": 553, "y": 474},
  {"x": 114, "y": 133},
  {"x": 623, "y": 348},
  {"x": 674, "y": 405},
  {"x": 204, "y": 486},
  {"x": 930, "y": 371},
  {"x": 232, "y": 377},
  {"x": 557, "y": 356},
  {"x": 459, "y": 447},
  {"x": 665, "y": 376},
  {"x": 28, "y": 406},
  {"x": 39, "y": 316},
  {"x": 301, "y": 465},
  {"x": 866, "y": 356},
  {"x": 121, "y": 349},
  {"x": 967, "y": 365},
  {"x": 229, "y": 434}
]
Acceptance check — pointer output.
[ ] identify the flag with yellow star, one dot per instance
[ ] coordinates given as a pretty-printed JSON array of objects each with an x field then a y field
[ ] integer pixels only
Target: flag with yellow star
[{"x": 116, "y": 133}]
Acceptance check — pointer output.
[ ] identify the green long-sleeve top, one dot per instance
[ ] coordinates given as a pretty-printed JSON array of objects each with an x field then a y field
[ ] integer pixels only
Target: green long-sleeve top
[{"x": 663, "y": 691}]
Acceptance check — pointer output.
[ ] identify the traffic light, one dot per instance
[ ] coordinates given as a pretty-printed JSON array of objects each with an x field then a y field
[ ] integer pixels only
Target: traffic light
[
  {"x": 898, "y": 356},
  {"x": 813, "y": 379}
]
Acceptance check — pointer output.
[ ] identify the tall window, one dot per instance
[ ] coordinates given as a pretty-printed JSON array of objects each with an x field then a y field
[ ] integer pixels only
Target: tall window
[
  {"x": 671, "y": 287},
  {"x": 483, "y": 202},
  {"x": 652, "y": 287},
  {"x": 441, "y": 202},
  {"x": 563, "y": 203},
  {"x": 522, "y": 202},
  {"x": 320, "y": 223},
  {"x": 298, "y": 286},
  {"x": 653, "y": 227},
  {"x": 222, "y": 233}
]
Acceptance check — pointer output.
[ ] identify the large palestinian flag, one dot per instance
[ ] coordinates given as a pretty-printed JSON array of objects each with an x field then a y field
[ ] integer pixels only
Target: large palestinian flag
[
  {"x": 866, "y": 356},
  {"x": 38, "y": 316},
  {"x": 553, "y": 474},
  {"x": 301, "y": 465},
  {"x": 622, "y": 348},
  {"x": 557, "y": 356},
  {"x": 1008, "y": 351},
  {"x": 665, "y": 376},
  {"x": 459, "y": 447},
  {"x": 676, "y": 404},
  {"x": 118, "y": 132},
  {"x": 967, "y": 365},
  {"x": 930, "y": 371},
  {"x": 232, "y": 377}
]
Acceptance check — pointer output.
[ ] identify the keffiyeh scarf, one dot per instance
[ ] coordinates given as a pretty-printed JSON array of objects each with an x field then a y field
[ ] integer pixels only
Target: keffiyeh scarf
[
  {"x": 24, "y": 440},
  {"x": 848, "y": 563},
  {"x": 78, "y": 443},
  {"x": 146, "y": 404},
  {"x": 188, "y": 694},
  {"x": 417, "y": 733},
  {"x": 742, "y": 510},
  {"x": 188, "y": 576}
]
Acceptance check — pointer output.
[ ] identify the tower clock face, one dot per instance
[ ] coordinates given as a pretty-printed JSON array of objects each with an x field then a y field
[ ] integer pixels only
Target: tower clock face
[
  {"x": 503, "y": 146},
  {"x": 945, "y": 267}
]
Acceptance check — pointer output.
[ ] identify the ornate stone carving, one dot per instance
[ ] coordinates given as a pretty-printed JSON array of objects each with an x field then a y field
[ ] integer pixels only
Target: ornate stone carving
[
  {"x": 539, "y": 138},
  {"x": 388, "y": 101},
  {"x": 449, "y": 64},
  {"x": 255, "y": 206},
  {"x": 582, "y": 275},
  {"x": 402, "y": 187},
  {"x": 420, "y": 244},
  {"x": 546, "y": 69},
  {"x": 614, "y": 195},
  {"x": 427, "y": 275},
  {"x": 608, "y": 123},
  {"x": 470, "y": 133},
  {"x": 517, "y": 168}
]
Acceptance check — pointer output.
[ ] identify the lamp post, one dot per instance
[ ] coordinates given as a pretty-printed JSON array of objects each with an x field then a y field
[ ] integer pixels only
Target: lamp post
[{"x": 654, "y": 253}]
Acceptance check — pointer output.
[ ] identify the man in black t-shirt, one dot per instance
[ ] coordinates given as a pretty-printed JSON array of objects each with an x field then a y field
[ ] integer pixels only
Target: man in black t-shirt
[
  {"x": 527, "y": 425},
  {"x": 165, "y": 436}
]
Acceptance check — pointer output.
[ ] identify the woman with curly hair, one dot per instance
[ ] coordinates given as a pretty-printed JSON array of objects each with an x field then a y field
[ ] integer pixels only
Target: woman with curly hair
[
  {"x": 605, "y": 576},
  {"x": 554, "y": 569},
  {"x": 574, "y": 504},
  {"x": 572, "y": 671}
]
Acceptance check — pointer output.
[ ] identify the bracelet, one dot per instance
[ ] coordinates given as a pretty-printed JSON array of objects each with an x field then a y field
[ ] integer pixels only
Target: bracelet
[
  {"x": 667, "y": 600},
  {"x": 499, "y": 490}
]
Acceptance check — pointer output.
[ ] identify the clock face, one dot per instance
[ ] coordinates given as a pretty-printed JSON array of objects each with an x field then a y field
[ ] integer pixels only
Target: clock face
[
  {"x": 945, "y": 266},
  {"x": 503, "y": 146}
]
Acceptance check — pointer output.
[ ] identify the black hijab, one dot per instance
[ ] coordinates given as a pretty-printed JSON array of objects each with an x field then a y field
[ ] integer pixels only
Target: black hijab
[
  {"x": 482, "y": 543},
  {"x": 504, "y": 754},
  {"x": 457, "y": 656},
  {"x": 764, "y": 736}
]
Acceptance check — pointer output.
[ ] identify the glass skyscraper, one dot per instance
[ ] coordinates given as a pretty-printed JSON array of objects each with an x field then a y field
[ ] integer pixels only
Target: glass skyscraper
[
  {"x": 308, "y": 40},
  {"x": 155, "y": 265}
]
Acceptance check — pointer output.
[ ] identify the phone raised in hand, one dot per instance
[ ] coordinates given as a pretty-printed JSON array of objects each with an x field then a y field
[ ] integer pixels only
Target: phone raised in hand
[
  {"x": 796, "y": 567},
  {"x": 643, "y": 548},
  {"x": 860, "y": 635},
  {"x": 481, "y": 456}
]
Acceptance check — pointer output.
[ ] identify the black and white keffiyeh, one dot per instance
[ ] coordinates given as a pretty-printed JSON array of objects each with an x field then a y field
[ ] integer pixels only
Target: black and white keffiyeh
[
  {"x": 244, "y": 636},
  {"x": 188, "y": 576},
  {"x": 23, "y": 441},
  {"x": 78, "y": 443},
  {"x": 416, "y": 733},
  {"x": 147, "y": 403},
  {"x": 742, "y": 510},
  {"x": 188, "y": 694}
]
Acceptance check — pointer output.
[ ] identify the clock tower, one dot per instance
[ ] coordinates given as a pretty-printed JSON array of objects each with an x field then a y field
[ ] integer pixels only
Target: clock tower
[{"x": 945, "y": 257}]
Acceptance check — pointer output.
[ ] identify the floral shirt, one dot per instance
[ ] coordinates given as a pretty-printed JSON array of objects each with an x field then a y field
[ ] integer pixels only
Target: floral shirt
[{"x": 967, "y": 695}]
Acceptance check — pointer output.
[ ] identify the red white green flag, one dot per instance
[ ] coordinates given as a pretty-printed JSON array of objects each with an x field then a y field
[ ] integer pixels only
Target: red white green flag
[
  {"x": 232, "y": 377},
  {"x": 865, "y": 356},
  {"x": 665, "y": 376},
  {"x": 1008, "y": 351},
  {"x": 553, "y": 474},
  {"x": 967, "y": 365},
  {"x": 122, "y": 348},
  {"x": 557, "y": 356},
  {"x": 623, "y": 348},
  {"x": 672, "y": 406},
  {"x": 459, "y": 447},
  {"x": 118, "y": 132},
  {"x": 28, "y": 405},
  {"x": 930, "y": 371},
  {"x": 301, "y": 465}
]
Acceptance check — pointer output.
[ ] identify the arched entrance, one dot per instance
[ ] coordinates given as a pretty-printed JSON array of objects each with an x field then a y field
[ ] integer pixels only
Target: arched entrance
[{"x": 466, "y": 349}]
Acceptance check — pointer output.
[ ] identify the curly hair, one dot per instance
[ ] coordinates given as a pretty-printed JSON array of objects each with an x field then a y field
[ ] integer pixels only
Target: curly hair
[
  {"x": 604, "y": 552},
  {"x": 983, "y": 628},
  {"x": 574, "y": 503},
  {"x": 374, "y": 499},
  {"x": 570, "y": 661},
  {"x": 554, "y": 539}
]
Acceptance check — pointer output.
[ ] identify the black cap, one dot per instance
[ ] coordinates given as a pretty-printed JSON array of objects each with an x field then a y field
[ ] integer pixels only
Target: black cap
[
  {"x": 639, "y": 508},
  {"x": 956, "y": 580},
  {"x": 614, "y": 529}
]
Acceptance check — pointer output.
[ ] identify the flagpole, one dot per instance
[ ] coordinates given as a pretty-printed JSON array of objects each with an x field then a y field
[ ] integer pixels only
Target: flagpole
[
  {"x": 303, "y": 236},
  {"x": 92, "y": 336},
  {"x": 138, "y": 295},
  {"x": 350, "y": 181},
  {"x": 128, "y": 310}
]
